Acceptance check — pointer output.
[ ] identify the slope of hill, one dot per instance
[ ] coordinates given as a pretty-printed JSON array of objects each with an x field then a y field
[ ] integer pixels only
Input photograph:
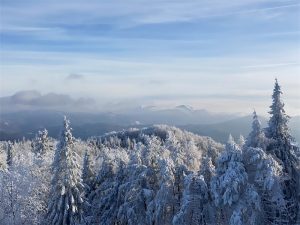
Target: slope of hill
[{"x": 237, "y": 127}]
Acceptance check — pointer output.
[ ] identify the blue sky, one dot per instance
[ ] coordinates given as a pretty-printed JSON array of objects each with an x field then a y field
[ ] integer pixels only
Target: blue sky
[{"x": 218, "y": 55}]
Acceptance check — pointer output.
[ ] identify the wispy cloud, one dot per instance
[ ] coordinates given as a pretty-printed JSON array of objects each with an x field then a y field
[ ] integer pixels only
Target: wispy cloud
[
  {"x": 271, "y": 65},
  {"x": 126, "y": 14},
  {"x": 32, "y": 99}
]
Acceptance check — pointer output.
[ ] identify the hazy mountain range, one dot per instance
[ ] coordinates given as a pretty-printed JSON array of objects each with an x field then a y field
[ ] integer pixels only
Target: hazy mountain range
[{"x": 15, "y": 125}]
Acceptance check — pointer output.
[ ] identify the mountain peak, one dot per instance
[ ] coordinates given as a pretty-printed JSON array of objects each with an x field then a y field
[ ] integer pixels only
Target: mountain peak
[{"x": 185, "y": 107}]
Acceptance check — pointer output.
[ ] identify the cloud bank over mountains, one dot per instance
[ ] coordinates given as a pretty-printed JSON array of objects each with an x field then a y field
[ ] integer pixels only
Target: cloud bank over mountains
[{"x": 32, "y": 99}]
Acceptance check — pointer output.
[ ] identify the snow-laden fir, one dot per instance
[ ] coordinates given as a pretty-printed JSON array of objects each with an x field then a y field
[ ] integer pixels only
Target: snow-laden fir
[{"x": 157, "y": 175}]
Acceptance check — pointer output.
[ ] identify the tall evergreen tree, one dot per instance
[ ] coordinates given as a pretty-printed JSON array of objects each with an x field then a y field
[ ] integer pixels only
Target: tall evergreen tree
[
  {"x": 237, "y": 200},
  {"x": 87, "y": 173},
  {"x": 256, "y": 138},
  {"x": 282, "y": 148},
  {"x": 241, "y": 141},
  {"x": 196, "y": 208},
  {"x": 3, "y": 162},
  {"x": 207, "y": 169},
  {"x": 279, "y": 132},
  {"x": 265, "y": 173},
  {"x": 41, "y": 143},
  {"x": 65, "y": 204},
  {"x": 9, "y": 155},
  {"x": 165, "y": 198}
]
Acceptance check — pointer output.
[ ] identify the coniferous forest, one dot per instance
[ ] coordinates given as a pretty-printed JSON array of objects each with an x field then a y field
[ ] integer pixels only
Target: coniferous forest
[{"x": 156, "y": 175}]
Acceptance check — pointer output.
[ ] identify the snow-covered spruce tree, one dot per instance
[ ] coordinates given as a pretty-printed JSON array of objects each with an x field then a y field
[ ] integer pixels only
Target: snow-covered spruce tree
[
  {"x": 281, "y": 147},
  {"x": 165, "y": 200},
  {"x": 104, "y": 195},
  {"x": 3, "y": 163},
  {"x": 9, "y": 154},
  {"x": 135, "y": 197},
  {"x": 256, "y": 138},
  {"x": 135, "y": 154},
  {"x": 237, "y": 201},
  {"x": 173, "y": 145},
  {"x": 152, "y": 153},
  {"x": 179, "y": 176},
  {"x": 196, "y": 208},
  {"x": 15, "y": 187},
  {"x": 40, "y": 175},
  {"x": 207, "y": 169},
  {"x": 41, "y": 143},
  {"x": 192, "y": 155},
  {"x": 265, "y": 173},
  {"x": 241, "y": 141},
  {"x": 88, "y": 175},
  {"x": 10, "y": 199},
  {"x": 66, "y": 202}
]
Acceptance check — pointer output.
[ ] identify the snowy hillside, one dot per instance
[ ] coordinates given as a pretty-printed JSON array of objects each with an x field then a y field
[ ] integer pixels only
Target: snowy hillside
[
  {"x": 140, "y": 163},
  {"x": 154, "y": 175}
]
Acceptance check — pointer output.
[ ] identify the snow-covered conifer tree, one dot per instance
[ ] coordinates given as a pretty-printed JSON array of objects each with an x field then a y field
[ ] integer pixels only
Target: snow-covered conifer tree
[
  {"x": 196, "y": 208},
  {"x": 65, "y": 203},
  {"x": 265, "y": 173},
  {"x": 282, "y": 148},
  {"x": 165, "y": 198},
  {"x": 232, "y": 194},
  {"x": 3, "y": 163},
  {"x": 241, "y": 141},
  {"x": 135, "y": 154},
  {"x": 41, "y": 143},
  {"x": 16, "y": 184},
  {"x": 256, "y": 138},
  {"x": 207, "y": 169},
  {"x": 134, "y": 197},
  {"x": 103, "y": 198},
  {"x": 278, "y": 131},
  {"x": 87, "y": 173},
  {"x": 9, "y": 154},
  {"x": 179, "y": 177}
]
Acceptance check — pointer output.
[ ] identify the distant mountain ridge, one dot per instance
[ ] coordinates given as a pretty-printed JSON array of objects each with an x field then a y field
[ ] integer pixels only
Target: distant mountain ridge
[{"x": 216, "y": 125}]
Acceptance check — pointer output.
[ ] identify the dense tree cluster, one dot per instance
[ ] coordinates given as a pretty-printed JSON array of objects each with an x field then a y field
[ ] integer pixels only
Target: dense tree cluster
[{"x": 156, "y": 175}]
